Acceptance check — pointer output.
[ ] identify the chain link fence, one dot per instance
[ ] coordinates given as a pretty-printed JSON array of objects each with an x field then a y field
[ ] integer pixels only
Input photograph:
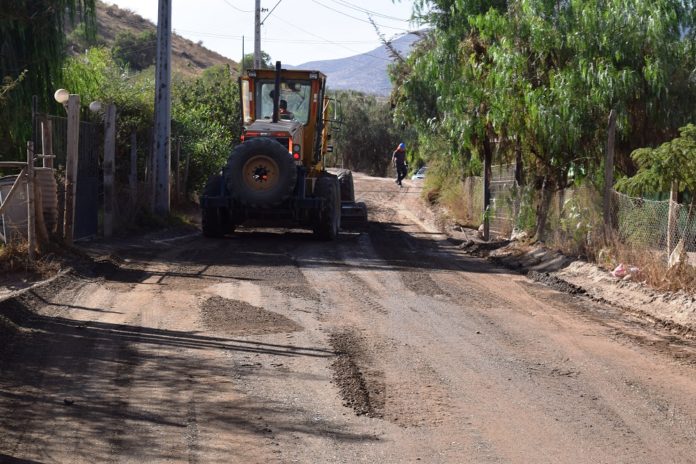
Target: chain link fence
[
  {"x": 575, "y": 220},
  {"x": 505, "y": 200}
]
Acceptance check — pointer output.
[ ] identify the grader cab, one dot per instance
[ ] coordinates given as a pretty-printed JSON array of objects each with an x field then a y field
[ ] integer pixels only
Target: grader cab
[{"x": 276, "y": 176}]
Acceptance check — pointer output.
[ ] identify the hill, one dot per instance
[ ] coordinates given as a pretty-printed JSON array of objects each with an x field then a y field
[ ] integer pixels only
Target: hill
[
  {"x": 188, "y": 57},
  {"x": 366, "y": 72}
]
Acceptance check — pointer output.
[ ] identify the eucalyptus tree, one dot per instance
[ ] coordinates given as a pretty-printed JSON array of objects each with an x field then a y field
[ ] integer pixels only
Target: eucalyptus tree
[
  {"x": 546, "y": 74},
  {"x": 32, "y": 39},
  {"x": 367, "y": 135}
]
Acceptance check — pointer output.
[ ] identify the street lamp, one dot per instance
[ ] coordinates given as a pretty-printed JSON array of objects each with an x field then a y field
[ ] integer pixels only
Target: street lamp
[
  {"x": 62, "y": 96},
  {"x": 95, "y": 106}
]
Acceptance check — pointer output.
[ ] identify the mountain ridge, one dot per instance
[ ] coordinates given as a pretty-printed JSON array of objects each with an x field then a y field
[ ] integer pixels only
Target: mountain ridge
[{"x": 365, "y": 72}]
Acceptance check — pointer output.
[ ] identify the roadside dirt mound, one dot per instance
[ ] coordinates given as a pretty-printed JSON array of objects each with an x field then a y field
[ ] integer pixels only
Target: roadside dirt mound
[
  {"x": 674, "y": 311},
  {"x": 556, "y": 283},
  {"x": 234, "y": 317}
]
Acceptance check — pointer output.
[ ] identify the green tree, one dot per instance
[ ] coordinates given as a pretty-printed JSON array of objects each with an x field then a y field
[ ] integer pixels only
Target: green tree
[
  {"x": 541, "y": 77},
  {"x": 206, "y": 114},
  {"x": 658, "y": 168},
  {"x": 137, "y": 51},
  {"x": 367, "y": 134},
  {"x": 32, "y": 39},
  {"x": 266, "y": 62}
]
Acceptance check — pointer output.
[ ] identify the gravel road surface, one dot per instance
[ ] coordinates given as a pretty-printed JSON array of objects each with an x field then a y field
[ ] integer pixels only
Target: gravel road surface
[{"x": 388, "y": 345}]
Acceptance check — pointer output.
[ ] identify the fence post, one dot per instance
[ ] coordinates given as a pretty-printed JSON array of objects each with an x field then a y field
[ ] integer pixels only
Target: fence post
[
  {"x": 672, "y": 218},
  {"x": 609, "y": 174},
  {"x": 47, "y": 142},
  {"x": 109, "y": 161},
  {"x": 71, "y": 166},
  {"x": 133, "y": 176},
  {"x": 31, "y": 209}
]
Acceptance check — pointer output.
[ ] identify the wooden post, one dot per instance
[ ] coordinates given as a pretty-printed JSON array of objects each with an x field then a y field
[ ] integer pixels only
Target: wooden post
[
  {"x": 39, "y": 222},
  {"x": 609, "y": 174},
  {"x": 71, "y": 166},
  {"x": 31, "y": 211},
  {"x": 133, "y": 176},
  {"x": 672, "y": 219},
  {"x": 109, "y": 161},
  {"x": 47, "y": 142}
]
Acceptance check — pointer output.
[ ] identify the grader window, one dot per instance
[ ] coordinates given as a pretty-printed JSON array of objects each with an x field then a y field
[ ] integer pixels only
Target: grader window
[{"x": 296, "y": 93}]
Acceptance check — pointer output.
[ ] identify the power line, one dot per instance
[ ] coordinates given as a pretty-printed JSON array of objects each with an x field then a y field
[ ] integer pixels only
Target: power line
[
  {"x": 369, "y": 12},
  {"x": 220, "y": 35},
  {"x": 270, "y": 12},
  {"x": 236, "y": 8},
  {"x": 359, "y": 19},
  {"x": 332, "y": 42}
]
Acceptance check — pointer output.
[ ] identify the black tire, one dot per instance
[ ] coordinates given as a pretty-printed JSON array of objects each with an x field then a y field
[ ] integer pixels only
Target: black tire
[
  {"x": 329, "y": 218},
  {"x": 363, "y": 208},
  {"x": 345, "y": 180},
  {"x": 215, "y": 222},
  {"x": 260, "y": 173}
]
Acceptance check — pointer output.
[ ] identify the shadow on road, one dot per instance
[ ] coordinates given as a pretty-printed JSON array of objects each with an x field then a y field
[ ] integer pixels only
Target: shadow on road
[{"x": 112, "y": 389}]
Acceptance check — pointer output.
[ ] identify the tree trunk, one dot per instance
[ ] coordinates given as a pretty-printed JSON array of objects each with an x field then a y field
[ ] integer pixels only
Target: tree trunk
[{"x": 543, "y": 210}]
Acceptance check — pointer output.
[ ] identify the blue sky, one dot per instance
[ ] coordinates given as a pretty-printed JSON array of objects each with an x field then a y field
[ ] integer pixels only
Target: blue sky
[{"x": 295, "y": 32}]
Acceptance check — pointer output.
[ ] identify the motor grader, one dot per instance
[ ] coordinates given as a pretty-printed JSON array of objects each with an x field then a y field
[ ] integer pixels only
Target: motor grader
[{"x": 276, "y": 176}]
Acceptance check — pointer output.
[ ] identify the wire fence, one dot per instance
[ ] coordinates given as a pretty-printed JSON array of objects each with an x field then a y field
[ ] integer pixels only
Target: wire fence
[{"x": 575, "y": 220}]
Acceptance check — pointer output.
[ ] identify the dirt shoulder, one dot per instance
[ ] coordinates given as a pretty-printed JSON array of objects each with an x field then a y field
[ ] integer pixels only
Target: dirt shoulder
[{"x": 675, "y": 311}]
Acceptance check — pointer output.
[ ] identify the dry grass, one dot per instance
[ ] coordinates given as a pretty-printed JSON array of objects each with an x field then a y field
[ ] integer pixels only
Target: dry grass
[
  {"x": 14, "y": 259},
  {"x": 652, "y": 265},
  {"x": 457, "y": 197}
]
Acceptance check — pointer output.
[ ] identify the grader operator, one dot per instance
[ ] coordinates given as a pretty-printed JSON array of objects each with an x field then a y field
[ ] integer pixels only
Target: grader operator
[{"x": 276, "y": 177}]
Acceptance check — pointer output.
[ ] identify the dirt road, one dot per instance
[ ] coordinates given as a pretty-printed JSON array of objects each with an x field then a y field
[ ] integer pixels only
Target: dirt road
[{"x": 384, "y": 346}]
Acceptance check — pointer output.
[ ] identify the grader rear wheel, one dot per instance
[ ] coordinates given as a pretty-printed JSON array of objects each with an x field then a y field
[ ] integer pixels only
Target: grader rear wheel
[
  {"x": 329, "y": 218},
  {"x": 260, "y": 173}
]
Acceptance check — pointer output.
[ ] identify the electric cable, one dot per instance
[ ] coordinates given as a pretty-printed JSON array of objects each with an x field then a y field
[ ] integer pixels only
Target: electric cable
[
  {"x": 236, "y": 8},
  {"x": 359, "y": 19}
]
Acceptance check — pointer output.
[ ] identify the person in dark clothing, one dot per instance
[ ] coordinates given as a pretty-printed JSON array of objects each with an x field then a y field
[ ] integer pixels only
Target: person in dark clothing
[
  {"x": 283, "y": 110},
  {"x": 399, "y": 160}
]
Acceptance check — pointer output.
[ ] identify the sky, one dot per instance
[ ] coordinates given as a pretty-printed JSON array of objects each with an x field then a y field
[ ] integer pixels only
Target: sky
[{"x": 295, "y": 32}]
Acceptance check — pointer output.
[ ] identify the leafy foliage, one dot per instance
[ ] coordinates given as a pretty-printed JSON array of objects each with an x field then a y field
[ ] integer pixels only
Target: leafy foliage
[
  {"x": 367, "y": 136},
  {"x": 32, "y": 39},
  {"x": 673, "y": 161},
  {"x": 541, "y": 77},
  {"x": 206, "y": 115},
  {"x": 137, "y": 51},
  {"x": 266, "y": 62}
]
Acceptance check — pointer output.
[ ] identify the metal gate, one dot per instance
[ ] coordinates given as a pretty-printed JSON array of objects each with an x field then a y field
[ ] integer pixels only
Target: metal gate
[{"x": 88, "y": 183}]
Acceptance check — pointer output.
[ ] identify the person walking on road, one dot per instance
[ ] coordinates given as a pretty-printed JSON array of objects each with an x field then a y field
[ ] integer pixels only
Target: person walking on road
[{"x": 399, "y": 161}]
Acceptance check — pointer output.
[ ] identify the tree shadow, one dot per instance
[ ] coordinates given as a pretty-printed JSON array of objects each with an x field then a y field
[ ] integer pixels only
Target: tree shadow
[{"x": 114, "y": 389}]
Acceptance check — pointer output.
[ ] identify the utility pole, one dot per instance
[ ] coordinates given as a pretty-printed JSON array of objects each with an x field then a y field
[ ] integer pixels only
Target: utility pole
[
  {"x": 257, "y": 35},
  {"x": 163, "y": 109}
]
